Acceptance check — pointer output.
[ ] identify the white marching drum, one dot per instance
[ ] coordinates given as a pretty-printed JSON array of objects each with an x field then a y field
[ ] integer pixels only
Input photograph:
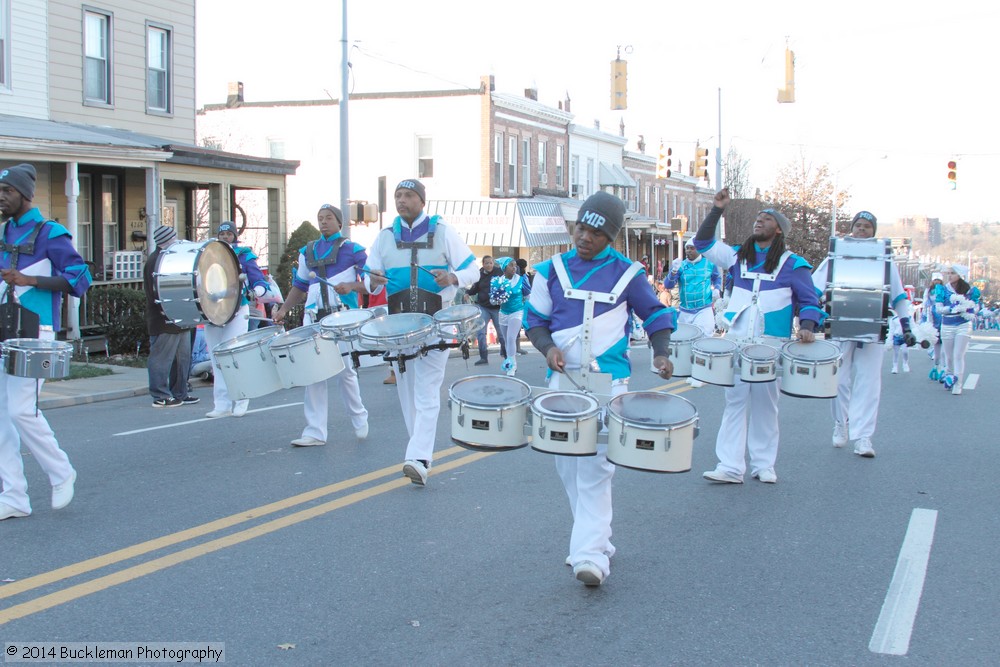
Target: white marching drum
[
  {"x": 36, "y": 358},
  {"x": 652, "y": 431},
  {"x": 680, "y": 348},
  {"x": 810, "y": 370},
  {"x": 458, "y": 322},
  {"x": 759, "y": 363},
  {"x": 488, "y": 412},
  {"x": 565, "y": 423},
  {"x": 345, "y": 325},
  {"x": 247, "y": 365},
  {"x": 713, "y": 360},
  {"x": 395, "y": 333},
  {"x": 304, "y": 356},
  {"x": 858, "y": 289},
  {"x": 198, "y": 282}
]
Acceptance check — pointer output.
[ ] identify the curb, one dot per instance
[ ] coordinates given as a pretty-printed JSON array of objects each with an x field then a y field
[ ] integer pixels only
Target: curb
[{"x": 96, "y": 397}]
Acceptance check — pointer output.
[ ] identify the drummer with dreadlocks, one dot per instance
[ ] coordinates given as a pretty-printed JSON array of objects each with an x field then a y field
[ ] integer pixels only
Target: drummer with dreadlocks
[{"x": 770, "y": 285}]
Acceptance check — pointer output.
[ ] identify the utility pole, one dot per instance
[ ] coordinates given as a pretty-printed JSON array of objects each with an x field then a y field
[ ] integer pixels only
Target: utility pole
[{"x": 345, "y": 176}]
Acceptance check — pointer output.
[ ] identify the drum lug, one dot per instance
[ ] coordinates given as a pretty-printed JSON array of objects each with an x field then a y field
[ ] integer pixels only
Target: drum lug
[
  {"x": 667, "y": 442},
  {"x": 541, "y": 431},
  {"x": 500, "y": 422},
  {"x": 461, "y": 417}
]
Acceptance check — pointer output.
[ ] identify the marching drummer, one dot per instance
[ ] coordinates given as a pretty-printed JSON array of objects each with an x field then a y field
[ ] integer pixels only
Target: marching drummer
[
  {"x": 859, "y": 387},
  {"x": 215, "y": 335},
  {"x": 39, "y": 264},
  {"x": 770, "y": 284},
  {"x": 700, "y": 282},
  {"x": 421, "y": 261},
  {"x": 558, "y": 323},
  {"x": 327, "y": 280}
]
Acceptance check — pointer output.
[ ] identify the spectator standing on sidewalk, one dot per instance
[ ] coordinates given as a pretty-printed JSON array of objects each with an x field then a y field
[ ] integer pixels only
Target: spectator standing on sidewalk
[
  {"x": 490, "y": 312},
  {"x": 169, "y": 363}
]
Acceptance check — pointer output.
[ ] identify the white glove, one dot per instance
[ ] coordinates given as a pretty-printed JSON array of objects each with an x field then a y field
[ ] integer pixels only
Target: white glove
[
  {"x": 675, "y": 265},
  {"x": 715, "y": 294},
  {"x": 259, "y": 291}
]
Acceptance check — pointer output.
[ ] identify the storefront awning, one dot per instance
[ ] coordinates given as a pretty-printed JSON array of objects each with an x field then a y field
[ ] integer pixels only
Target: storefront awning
[
  {"x": 503, "y": 222},
  {"x": 613, "y": 175},
  {"x": 542, "y": 224}
]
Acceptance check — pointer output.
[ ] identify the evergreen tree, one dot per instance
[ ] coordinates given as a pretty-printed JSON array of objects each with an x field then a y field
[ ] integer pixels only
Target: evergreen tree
[{"x": 305, "y": 233}]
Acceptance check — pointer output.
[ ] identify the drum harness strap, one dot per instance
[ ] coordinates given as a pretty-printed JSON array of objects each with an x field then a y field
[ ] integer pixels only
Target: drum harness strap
[
  {"x": 12, "y": 317},
  {"x": 319, "y": 265},
  {"x": 413, "y": 247},
  {"x": 589, "y": 298},
  {"x": 758, "y": 278}
]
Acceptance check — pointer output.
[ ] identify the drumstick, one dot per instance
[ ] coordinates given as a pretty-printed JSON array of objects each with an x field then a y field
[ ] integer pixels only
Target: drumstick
[
  {"x": 312, "y": 276},
  {"x": 425, "y": 270}
]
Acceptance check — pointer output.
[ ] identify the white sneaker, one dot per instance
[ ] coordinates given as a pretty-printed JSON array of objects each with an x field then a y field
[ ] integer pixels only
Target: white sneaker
[
  {"x": 767, "y": 476},
  {"x": 722, "y": 476},
  {"x": 895, "y": 369},
  {"x": 588, "y": 573},
  {"x": 361, "y": 433},
  {"x": 906, "y": 367},
  {"x": 863, "y": 447},
  {"x": 62, "y": 494},
  {"x": 839, "y": 434},
  {"x": 307, "y": 442},
  {"x": 695, "y": 383},
  {"x": 215, "y": 414},
  {"x": 416, "y": 471},
  {"x": 956, "y": 390},
  {"x": 240, "y": 407},
  {"x": 8, "y": 512}
]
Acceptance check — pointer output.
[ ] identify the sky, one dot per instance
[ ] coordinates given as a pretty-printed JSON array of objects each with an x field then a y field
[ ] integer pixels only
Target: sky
[{"x": 887, "y": 92}]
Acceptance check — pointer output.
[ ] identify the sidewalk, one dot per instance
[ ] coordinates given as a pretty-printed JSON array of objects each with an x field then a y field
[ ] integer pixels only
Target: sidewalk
[{"x": 124, "y": 383}]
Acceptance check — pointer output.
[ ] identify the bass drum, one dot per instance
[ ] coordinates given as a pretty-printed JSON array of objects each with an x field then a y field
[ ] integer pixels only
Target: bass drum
[{"x": 197, "y": 283}]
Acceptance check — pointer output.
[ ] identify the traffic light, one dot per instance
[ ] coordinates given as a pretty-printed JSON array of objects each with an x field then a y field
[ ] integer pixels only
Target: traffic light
[
  {"x": 700, "y": 162},
  {"x": 619, "y": 84},
  {"x": 952, "y": 174},
  {"x": 664, "y": 162},
  {"x": 787, "y": 94}
]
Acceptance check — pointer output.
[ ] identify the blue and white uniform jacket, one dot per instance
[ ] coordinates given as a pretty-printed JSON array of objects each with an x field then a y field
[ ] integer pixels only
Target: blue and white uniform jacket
[
  {"x": 764, "y": 304},
  {"x": 953, "y": 307},
  {"x": 697, "y": 280},
  {"x": 52, "y": 254},
  {"x": 248, "y": 267},
  {"x": 401, "y": 250},
  {"x": 336, "y": 260},
  {"x": 549, "y": 307}
]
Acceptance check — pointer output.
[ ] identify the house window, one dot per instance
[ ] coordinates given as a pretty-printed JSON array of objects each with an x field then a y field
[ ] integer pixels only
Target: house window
[
  {"x": 158, "y": 70},
  {"x": 512, "y": 164},
  {"x": 109, "y": 217},
  {"x": 526, "y": 166},
  {"x": 590, "y": 177},
  {"x": 542, "y": 167},
  {"x": 5, "y": 44},
  {"x": 276, "y": 148},
  {"x": 574, "y": 174},
  {"x": 498, "y": 162},
  {"x": 559, "y": 166},
  {"x": 85, "y": 219},
  {"x": 425, "y": 157},
  {"x": 646, "y": 212},
  {"x": 97, "y": 57}
]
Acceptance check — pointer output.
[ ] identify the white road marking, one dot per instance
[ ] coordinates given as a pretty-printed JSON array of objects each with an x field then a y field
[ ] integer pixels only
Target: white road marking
[
  {"x": 980, "y": 346},
  {"x": 203, "y": 419},
  {"x": 971, "y": 381},
  {"x": 899, "y": 611}
]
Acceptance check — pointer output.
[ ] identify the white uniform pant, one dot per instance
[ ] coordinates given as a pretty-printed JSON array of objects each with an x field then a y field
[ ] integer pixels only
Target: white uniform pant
[
  {"x": 419, "y": 390},
  {"x": 511, "y": 325},
  {"x": 316, "y": 402},
  {"x": 704, "y": 319},
  {"x": 749, "y": 422},
  {"x": 19, "y": 424},
  {"x": 587, "y": 481},
  {"x": 215, "y": 335},
  {"x": 859, "y": 387},
  {"x": 955, "y": 342}
]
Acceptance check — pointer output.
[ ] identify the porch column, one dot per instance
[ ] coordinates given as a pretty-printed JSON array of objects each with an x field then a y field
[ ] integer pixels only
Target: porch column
[{"x": 72, "y": 194}]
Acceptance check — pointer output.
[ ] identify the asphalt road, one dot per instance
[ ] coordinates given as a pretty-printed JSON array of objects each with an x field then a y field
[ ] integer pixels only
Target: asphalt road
[{"x": 185, "y": 529}]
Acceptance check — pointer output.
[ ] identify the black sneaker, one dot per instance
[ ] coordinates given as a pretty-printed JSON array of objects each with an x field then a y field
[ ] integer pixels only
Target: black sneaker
[
  {"x": 190, "y": 400},
  {"x": 167, "y": 403},
  {"x": 481, "y": 362}
]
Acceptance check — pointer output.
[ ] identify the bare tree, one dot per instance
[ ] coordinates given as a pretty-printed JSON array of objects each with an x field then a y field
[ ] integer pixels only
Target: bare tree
[
  {"x": 736, "y": 170},
  {"x": 804, "y": 193}
]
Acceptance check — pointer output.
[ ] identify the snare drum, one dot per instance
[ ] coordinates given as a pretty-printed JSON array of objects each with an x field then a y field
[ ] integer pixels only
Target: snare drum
[
  {"x": 759, "y": 363},
  {"x": 713, "y": 361},
  {"x": 345, "y": 325},
  {"x": 394, "y": 333},
  {"x": 488, "y": 412},
  {"x": 651, "y": 430},
  {"x": 304, "y": 356},
  {"x": 458, "y": 322},
  {"x": 566, "y": 423},
  {"x": 246, "y": 363},
  {"x": 810, "y": 370},
  {"x": 197, "y": 283},
  {"x": 680, "y": 348},
  {"x": 36, "y": 358}
]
